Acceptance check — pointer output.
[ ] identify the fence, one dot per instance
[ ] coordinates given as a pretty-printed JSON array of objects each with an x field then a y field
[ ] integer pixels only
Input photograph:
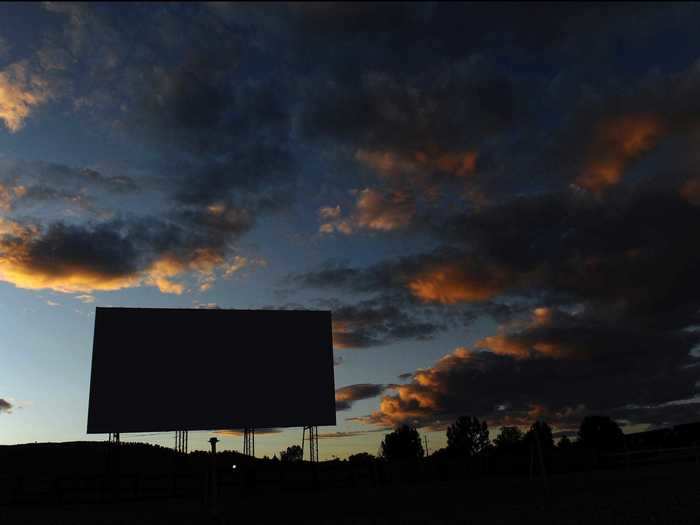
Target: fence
[
  {"x": 118, "y": 487},
  {"x": 630, "y": 458},
  {"x": 37, "y": 490}
]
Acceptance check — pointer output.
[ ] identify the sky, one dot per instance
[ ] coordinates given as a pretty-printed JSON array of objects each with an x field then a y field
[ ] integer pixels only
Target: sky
[{"x": 498, "y": 203}]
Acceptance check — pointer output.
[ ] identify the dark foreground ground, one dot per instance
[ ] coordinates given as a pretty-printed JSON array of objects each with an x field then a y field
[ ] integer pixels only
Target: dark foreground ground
[{"x": 649, "y": 494}]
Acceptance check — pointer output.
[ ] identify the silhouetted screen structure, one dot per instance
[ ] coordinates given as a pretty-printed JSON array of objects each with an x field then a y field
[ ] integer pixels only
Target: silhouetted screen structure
[{"x": 184, "y": 369}]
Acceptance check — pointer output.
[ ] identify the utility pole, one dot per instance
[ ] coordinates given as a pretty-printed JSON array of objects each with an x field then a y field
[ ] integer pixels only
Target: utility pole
[
  {"x": 213, "y": 487},
  {"x": 427, "y": 450}
]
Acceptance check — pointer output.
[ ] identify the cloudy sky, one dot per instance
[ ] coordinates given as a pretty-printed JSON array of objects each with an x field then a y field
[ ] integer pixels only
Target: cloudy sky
[{"x": 499, "y": 203}]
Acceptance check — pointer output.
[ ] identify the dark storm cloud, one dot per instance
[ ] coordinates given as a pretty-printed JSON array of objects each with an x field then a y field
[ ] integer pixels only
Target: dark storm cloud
[
  {"x": 73, "y": 258},
  {"x": 452, "y": 92},
  {"x": 339, "y": 274},
  {"x": 255, "y": 169},
  {"x": 108, "y": 255},
  {"x": 188, "y": 82},
  {"x": 35, "y": 181},
  {"x": 82, "y": 177},
  {"x": 102, "y": 249},
  {"x": 347, "y": 395},
  {"x": 505, "y": 388},
  {"x": 374, "y": 323},
  {"x": 218, "y": 219},
  {"x": 180, "y": 82},
  {"x": 626, "y": 131},
  {"x": 662, "y": 416},
  {"x": 453, "y": 107},
  {"x": 623, "y": 272},
  {"x": 637, "y": 247},
  {"x": 407, "y": 76},
  {"x": 5, "y": 406},
  {"x": 42, "y": 193},
  {"x": 224, "y": 135},
  {"x": 408, "y": 35},
  {"x": 615, "y": 251},
  {"x": 201, "y": 105},
  {"x": 447, "y": 275},
  {"x": 545, "y": 154},
  {"x": 332, "y": 274}
]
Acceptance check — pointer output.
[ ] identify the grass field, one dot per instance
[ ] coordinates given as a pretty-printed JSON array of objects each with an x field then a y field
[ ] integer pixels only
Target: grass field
[{"x": 651, "y": 494}]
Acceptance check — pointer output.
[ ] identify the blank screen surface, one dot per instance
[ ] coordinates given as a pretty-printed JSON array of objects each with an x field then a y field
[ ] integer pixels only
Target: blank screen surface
[{"x": 171, "y": 369}]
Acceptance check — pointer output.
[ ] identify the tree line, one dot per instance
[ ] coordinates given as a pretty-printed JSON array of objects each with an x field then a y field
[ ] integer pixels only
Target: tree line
[{"x": 469, "y": 437}]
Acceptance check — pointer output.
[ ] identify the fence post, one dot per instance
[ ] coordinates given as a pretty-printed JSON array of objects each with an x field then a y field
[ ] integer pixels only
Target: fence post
[
  {"x": 542, "y": 466},
  {"x": 58, "y": 496},
  {"x": 315, "y": 478},
  {"x": 205, "y": 489},
  {"x": 214, "y": 486},
  {"x": 19, "y": 489}
]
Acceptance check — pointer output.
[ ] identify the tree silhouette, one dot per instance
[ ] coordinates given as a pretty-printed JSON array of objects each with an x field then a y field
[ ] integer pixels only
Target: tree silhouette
[
  {"x": 467, "y": 436},
  {"x": 600, "y": 433},
  {"x": 402, "y": 443},
  {"x": 509, "y": 440},
  {"x": 293, "y": 453},
  {"x": 361, "y": 458},
  {"x": 565, "y": 444},
  {"x": 544, "y": 433}
]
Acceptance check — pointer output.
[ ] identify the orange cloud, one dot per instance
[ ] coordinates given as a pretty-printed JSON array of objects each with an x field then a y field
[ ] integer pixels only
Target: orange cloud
[
  {"x": 436, "y": 395},
  {"x": 503, "y": 345},
  {"x": 330, "y": 212},
  {"x": 20, "y": 266},
  {"x": 387, "y": 163},
  {"x": 162, "y": 271},
  {"x": 342, "y": 335},
  {"x": 393, "y": 164},
  {"x": 690, "y": 191},
  {"x": 203, "y": 262},
  {"x": 419, "y": 400},
  {"x": 374, "y": 210},
  {"x": 383, "y": 211},
  {"x": 8, "y": 194},
  {"x": 619, "y": 142},
  {"x": 17, "y": 266},
  {"x": 460, "y": 164},
  {"x": 20, "y": 92},
  {"x": 333, "y": 221},
  {"x": 67, "y": 279},
  {"x": 506, "y": 345},
  {"x": 542, "y": 315},
  {"x": 451, "y": 283},
  {"x": 217, "y": 208},
  {"x": 525, "y": 342},
  {"x": 411, "y": 174}
]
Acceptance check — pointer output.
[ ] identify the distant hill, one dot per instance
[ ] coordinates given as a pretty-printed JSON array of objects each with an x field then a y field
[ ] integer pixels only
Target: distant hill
[{"x": 86, "y": 458}]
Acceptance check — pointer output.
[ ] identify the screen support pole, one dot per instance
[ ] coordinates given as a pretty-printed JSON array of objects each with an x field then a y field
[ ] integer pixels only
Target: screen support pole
[
  {"x": 249, "y": 441},
  {"x": 181, "y": 441},
  {"x": 313, "y": 443}
]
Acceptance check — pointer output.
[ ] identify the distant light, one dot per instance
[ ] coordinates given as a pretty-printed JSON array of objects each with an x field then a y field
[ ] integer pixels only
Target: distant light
[{"x": 234, "y": 467}]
